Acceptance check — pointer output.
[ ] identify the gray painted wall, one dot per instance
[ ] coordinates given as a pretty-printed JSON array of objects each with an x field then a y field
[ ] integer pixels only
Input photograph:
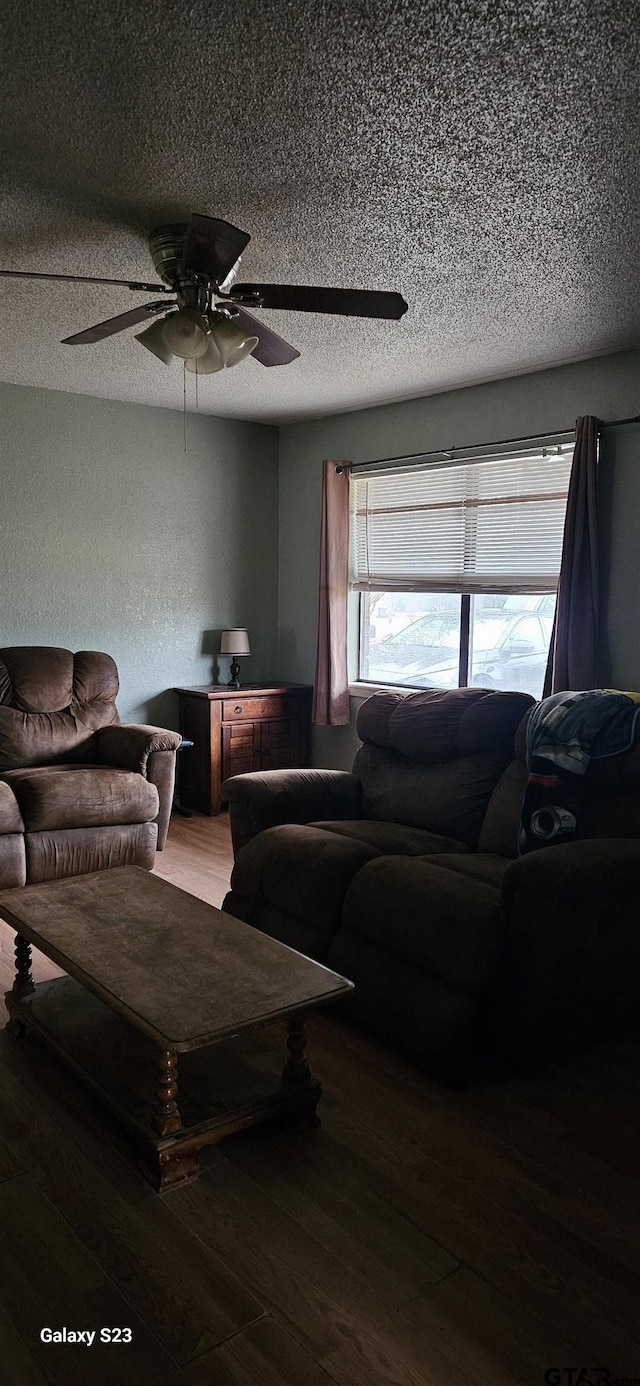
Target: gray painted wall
[
  {"x": 607, "y": 386},
  {"x": 113, "y": 538}
]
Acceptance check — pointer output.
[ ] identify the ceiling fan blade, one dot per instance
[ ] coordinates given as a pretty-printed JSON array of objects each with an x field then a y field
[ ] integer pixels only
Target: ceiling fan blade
[
  {"x": 212, "y": 247},
  {"x": 357, "y": 303},
  {"x": 271, "y": 350},
  {"x": 87, "y": 279},
  {"x": 111, "y": 325}
]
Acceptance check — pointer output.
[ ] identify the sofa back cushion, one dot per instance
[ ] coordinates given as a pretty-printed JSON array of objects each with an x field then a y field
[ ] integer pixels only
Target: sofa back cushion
[
  {"x": 499, "y": 832},
  {"x": 431, "y": 759},
  {"x": 449, "y": 798},
  {"x": 52, "y": 702}
]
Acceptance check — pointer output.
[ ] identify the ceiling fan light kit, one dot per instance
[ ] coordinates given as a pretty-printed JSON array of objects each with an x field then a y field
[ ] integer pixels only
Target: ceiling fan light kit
[{"x": 208, "y": 327}]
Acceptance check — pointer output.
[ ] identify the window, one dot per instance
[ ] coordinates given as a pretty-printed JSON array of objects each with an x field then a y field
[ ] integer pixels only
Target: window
[{"x": 457, "y": 567}]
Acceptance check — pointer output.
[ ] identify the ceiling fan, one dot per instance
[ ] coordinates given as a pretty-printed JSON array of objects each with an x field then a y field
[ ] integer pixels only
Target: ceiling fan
[{"x": 207, "y": 324}]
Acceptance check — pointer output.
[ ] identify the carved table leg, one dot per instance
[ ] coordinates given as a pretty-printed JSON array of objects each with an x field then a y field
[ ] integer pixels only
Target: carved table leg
[
  {"x": 301, "y": 1114},
  {"x": 296, "y": 1069},
  {"x": 167, "y": 1118},
  {"x": 23, "y": 982}
]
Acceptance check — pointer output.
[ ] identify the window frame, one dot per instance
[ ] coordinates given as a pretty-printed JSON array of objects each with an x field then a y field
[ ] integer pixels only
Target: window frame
[
  {"x": 465, "y": 647},
  {"x": 361, "y": 683}
]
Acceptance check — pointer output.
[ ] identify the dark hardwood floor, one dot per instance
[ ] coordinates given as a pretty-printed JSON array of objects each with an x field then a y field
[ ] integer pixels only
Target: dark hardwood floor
[{"x": 420, "y": 1238}]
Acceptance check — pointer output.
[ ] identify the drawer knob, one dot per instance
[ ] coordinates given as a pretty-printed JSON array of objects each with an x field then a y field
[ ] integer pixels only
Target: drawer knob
[{"x": 238, "y": 708}]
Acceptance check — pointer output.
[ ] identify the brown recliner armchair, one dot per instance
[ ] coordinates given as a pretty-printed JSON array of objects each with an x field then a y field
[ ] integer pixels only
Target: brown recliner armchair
[{"x": 78, "y": 790}]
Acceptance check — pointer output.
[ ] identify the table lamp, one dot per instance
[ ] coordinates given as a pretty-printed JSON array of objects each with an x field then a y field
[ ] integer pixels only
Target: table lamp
[{"x": 234, "y": 642}]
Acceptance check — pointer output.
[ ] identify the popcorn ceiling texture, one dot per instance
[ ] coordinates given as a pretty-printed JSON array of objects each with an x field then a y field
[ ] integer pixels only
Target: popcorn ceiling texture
[{"x": 481, "y": 158}]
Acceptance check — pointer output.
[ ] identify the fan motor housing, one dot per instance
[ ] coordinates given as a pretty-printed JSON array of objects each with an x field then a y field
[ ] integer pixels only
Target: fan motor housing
[{"x": 166, "y": 244}]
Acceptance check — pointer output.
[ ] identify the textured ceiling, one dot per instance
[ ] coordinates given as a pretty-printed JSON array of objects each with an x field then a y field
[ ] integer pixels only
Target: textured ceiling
[{"x": 481, "y": 158}]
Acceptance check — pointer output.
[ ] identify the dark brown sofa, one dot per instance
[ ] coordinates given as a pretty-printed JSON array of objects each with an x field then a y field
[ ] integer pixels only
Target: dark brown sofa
[
  {"x": 404, "y": 876},
  {"x": 78, "y": 790}
]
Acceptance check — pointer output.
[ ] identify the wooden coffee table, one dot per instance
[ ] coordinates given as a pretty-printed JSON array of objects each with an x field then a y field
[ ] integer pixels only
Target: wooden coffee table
[{"x": 155, "y": 973}]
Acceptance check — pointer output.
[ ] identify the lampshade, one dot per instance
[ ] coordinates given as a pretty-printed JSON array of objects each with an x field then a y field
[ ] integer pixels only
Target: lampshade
[
  {"x": 234, "y": 642},
  {"x": 186, "y": 333},
  {"x": 153, "y": 339},
  {"x": 210, "y": 361},
  {"x": 233, "y": 341}
]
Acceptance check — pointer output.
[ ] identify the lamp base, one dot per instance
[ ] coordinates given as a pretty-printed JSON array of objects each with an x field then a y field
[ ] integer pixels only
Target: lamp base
[{"x": 234, "y": 681}]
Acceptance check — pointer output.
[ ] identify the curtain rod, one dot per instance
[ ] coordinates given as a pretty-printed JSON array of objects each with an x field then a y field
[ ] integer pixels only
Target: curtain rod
[
  {"x": 499, "y": 442},
  {"x": 617, "y": 423}
]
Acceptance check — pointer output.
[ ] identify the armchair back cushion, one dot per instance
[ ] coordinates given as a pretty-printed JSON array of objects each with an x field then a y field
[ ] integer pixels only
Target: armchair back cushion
[{"x": 52, "y": 702}]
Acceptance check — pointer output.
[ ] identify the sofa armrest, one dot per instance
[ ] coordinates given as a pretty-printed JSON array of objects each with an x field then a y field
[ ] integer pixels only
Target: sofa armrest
[
  {"x": 151, "y": 751},
  {"x": 267, "y": 798},
  {"x": 570, "y": 966},
  {"x": 587, "y": 887}
]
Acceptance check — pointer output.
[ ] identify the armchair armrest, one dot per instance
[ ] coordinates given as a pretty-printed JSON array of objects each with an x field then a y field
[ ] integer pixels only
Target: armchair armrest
[
  {"x": 264, "y": 799},
  {"x": 570, "y": 968},
  {"x": 130, "y": 746},
  {"x": 151, "y": 751}
]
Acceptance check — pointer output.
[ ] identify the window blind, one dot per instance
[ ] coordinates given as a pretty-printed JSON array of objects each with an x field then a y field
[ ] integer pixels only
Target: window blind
[{"x": 494, "y": 525}]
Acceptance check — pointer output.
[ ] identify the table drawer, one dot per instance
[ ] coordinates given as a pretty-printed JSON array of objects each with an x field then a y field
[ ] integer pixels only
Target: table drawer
[{"x": 251, "y": 708}]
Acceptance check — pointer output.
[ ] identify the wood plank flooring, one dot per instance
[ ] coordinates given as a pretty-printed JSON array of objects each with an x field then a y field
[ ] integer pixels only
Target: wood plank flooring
[{"x": 420, "y": 1238}]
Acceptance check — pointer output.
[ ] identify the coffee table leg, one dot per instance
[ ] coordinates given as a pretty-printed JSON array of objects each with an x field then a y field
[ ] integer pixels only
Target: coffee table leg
[
  {"x": 23, "y": 982},
  {"x": 296, "y": 1069},
  {"x": 296, "y": 1076},
  {"x": 167, "y": 1118}
]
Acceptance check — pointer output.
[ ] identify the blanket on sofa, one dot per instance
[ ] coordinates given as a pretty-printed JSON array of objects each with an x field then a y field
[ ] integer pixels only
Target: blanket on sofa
[{"x": 564, "y": 733}]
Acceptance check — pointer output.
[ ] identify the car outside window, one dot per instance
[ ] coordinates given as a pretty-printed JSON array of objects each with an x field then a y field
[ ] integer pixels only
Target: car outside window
[{"x": 508, "y": 641}]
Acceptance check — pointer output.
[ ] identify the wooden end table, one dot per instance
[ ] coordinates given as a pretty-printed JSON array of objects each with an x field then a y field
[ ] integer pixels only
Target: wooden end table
[{"x": 155, "y": 974}]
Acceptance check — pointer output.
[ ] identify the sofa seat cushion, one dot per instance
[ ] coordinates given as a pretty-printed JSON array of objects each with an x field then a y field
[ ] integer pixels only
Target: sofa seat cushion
[
  {"x": 10, "y": 816},
  {"x": 476, "y": 866},
  {"x": 391, "y": 838},
  {"x": 301, "y": 871},
  {"x": 439, "y": 920},
  {"x": 74, "y": 796}
]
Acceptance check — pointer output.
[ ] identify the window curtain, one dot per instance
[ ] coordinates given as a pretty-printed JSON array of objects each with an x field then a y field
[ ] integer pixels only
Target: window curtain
[
  {"x": 331, "y": 689},
  {"x": 574, "y": 639}
]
